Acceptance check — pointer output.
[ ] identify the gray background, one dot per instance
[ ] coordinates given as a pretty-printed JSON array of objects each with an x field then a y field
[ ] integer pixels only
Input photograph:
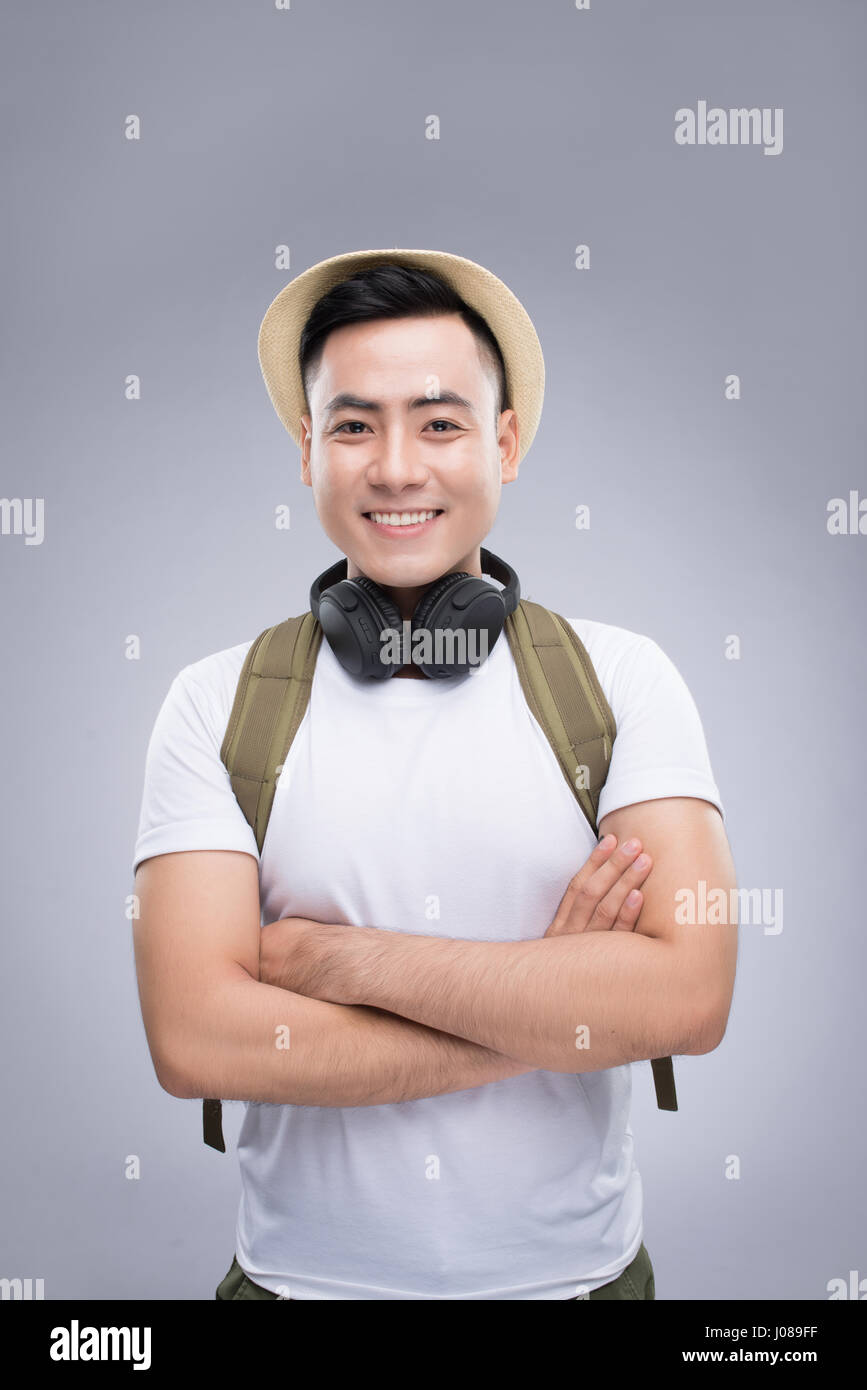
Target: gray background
[{"x": 708, "y": 518}]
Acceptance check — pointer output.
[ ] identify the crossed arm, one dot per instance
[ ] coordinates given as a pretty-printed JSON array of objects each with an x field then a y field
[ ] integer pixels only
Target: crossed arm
[{"x": 572, "y": 1002}]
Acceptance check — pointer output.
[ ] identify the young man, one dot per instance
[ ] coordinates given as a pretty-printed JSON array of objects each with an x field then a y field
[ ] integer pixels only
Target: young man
[{"x": 441, "y": 923}]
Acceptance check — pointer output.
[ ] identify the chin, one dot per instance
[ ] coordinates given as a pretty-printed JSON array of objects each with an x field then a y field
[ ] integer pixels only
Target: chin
[{"x": 398, "y": 575}]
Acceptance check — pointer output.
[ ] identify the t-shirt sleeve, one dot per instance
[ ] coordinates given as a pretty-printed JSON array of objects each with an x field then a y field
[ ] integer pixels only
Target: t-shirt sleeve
[
  {"x": 188, "y": 802},
  {"x": 660, "y": 748}
]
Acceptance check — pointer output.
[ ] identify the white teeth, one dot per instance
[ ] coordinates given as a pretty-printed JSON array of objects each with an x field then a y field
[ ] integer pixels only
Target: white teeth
[{"x": 401, "y": 518}]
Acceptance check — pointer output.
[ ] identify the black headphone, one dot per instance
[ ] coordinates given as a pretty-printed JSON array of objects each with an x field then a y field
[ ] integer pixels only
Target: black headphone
[{"x": 354, "y": 613}]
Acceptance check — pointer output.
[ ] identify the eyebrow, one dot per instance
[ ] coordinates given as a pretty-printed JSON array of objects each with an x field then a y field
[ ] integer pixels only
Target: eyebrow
[{"x": 346, "y": 400}]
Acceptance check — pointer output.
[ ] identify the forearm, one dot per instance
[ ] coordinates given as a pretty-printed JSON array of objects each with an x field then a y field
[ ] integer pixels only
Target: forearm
[
  {"x": 257, "y": 1042},
  {"x": 575, "y": 1003}
]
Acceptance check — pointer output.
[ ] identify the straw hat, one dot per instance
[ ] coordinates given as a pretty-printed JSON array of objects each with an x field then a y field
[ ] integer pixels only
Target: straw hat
[{"x": 280, "y": 331}]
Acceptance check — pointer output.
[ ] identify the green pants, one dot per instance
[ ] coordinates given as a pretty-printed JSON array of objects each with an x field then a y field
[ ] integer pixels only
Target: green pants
[{"x": 635, "y": 1282}]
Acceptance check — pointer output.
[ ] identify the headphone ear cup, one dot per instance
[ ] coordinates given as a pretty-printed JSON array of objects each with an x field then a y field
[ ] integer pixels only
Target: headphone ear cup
[
  {"x": 353, "y": 613},
  {"x": 428, "y": 601},
  {"x": 387, "y": 610},
  {"x": 459, "y": 603},
  {"x": 384, "y": 612}
]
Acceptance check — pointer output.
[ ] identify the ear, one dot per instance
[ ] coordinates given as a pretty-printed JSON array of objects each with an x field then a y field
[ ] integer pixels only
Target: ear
[
  {"x": 508, "y": 440},
  {"x": 306, "y": 438}
]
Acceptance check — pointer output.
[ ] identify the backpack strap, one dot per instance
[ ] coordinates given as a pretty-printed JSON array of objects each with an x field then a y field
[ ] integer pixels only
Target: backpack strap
[
  {"x": 272, "y": 695},
  {"x": 562, "y": 689}
]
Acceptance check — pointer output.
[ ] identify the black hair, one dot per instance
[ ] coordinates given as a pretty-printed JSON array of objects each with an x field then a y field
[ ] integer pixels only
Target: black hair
[{"x": 391, "y": 291}]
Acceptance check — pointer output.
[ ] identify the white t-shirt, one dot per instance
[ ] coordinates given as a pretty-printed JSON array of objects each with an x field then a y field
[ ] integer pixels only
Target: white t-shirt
[{"x": 396, "y": 795}]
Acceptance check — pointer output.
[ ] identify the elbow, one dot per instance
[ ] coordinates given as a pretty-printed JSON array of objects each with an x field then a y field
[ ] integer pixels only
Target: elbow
[
  {"x": 174, "y": 1084},
  {"x": 708, "y": 1031},
  {"x": 170, "y": 1076}
]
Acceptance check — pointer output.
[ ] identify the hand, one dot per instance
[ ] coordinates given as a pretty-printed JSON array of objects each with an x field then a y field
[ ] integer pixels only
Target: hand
[{"x": 596, "y": 898}]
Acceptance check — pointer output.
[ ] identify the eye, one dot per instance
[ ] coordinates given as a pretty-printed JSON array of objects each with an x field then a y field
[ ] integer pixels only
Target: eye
[{"x": 347, "y": 423}]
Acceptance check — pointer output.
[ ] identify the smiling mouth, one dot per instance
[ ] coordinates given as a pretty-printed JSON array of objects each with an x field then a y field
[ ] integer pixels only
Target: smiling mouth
[{"x": 401, "y": 521}]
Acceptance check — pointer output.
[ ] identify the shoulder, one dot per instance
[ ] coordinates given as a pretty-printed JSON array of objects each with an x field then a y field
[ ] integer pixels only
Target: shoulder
[
  {"x": 196, "y": 706},
  {"x": 619, "y": 655},
  {"x": 660, "y": 748},
  {"x": 213, "y": 673},
  {"x": 211, "y": 681},
  {"x": 187, "y": 800},
  {"x": 632, "y": 668},
  {"x": 605, "y": 642}
]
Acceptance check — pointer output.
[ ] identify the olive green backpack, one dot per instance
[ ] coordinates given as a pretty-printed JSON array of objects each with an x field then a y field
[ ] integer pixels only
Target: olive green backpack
[{"x": 559, "y": 683}]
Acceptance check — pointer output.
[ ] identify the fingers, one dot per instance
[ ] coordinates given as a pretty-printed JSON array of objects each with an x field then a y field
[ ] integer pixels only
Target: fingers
[
  {"x": 630, "y": 910},
  {"x": 600, "y": 853},
  {"x": 595, "y": 898},
  {"x": 618, "y": 910},
  {"x": 591, "y": 897}
]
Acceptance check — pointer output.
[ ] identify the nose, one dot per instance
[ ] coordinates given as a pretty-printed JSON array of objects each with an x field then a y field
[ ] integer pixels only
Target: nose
[{"x": 396, "y": 465}]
